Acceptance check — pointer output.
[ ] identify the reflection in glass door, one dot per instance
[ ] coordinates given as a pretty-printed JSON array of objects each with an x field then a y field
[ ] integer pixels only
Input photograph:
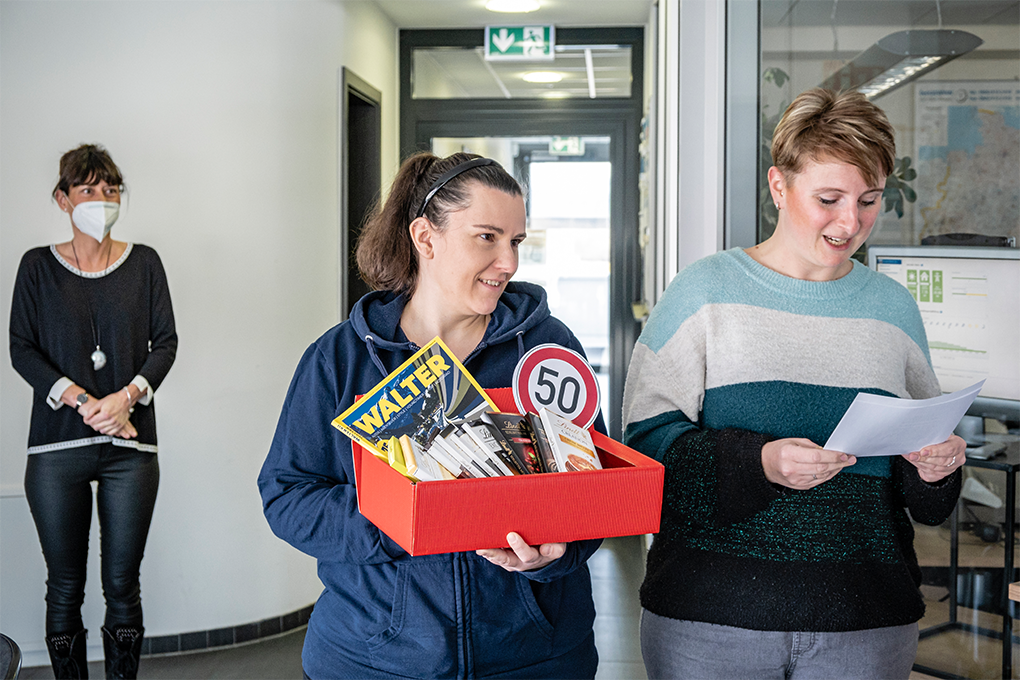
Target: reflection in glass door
[{"x": 567, "y": 252}]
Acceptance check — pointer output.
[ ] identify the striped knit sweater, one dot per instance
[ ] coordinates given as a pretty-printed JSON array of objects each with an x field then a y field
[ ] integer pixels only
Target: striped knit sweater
[{"x": 736, "y": 355}]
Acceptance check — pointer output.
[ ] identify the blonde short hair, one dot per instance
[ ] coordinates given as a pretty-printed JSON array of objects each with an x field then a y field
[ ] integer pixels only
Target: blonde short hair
[{"x": 841, "y": 126}]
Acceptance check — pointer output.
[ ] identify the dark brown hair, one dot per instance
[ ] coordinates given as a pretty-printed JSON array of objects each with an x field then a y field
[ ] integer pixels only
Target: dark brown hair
[
  {"x": 386, "y": 257},
  {"x": 844, "y": 126},
  {"x": 88, "y": 164}
]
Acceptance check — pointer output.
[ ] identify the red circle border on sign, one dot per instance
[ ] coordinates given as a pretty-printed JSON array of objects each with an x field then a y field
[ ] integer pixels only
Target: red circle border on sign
[{"x": 536, "y": 355}]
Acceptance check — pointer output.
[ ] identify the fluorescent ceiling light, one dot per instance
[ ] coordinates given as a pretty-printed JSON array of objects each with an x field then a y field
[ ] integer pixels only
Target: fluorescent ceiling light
[
  {"x": 542, "y": 77},
  {"x": 512, "y": 5},
  {"x": 899, "y": 58}
]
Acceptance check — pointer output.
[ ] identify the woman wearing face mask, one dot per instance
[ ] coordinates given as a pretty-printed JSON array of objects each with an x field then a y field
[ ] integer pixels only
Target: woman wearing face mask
[
  {"x": 440, "y": 255},
  {"x": 92, "y": 332}
]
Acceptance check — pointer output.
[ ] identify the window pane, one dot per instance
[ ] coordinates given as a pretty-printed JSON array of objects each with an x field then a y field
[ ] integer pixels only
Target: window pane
[
  {"x": 957, "y": 126},
  {"x": 463, "y": 73},
  {"x": 567, "y": 250},
  {"x": 569, "y": 215}
]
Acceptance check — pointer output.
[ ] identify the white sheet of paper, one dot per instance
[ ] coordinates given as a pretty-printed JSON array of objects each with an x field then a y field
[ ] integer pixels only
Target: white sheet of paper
[{"x": 887, "y": 426}]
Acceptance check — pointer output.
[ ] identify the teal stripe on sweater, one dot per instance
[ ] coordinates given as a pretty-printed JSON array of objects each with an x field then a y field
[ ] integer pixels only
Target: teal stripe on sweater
[
  {"x": 784, "y": 409},
  {"x": 733, "y": 277},
  {"x": 653, "y": 436}
]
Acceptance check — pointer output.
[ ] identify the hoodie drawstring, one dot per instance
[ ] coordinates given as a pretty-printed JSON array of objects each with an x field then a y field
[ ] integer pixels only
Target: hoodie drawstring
[{"x": 370, "y": 341}]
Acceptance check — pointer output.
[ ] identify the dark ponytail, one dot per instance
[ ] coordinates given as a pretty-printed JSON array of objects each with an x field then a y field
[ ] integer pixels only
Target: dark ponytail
[{"x": 386, "y": 257}]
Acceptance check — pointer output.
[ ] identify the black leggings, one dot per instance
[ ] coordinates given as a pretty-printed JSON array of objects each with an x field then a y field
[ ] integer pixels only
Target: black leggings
[{"x": 57, "y": 485}]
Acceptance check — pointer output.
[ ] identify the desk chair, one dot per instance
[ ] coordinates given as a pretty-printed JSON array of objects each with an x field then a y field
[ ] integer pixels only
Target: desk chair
[{"x": 10, "y": 658}]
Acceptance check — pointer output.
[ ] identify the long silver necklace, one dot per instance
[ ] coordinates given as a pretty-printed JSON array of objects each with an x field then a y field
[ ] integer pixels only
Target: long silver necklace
[{"x": 98, "y": 357}]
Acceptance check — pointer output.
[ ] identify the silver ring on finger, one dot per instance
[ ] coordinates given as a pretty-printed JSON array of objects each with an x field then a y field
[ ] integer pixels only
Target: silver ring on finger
[
  {"x": 814, "y": 477},
  {"x": 952, "y": 462}
]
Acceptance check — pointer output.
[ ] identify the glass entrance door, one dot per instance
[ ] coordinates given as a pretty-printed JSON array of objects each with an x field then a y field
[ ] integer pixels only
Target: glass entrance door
[
  {"x": 584, "y": 183},
  {"x": 567, "y": 182}
]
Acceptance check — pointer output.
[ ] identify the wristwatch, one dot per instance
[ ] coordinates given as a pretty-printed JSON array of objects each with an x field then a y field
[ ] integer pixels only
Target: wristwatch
[{"x": 81, "y": 399}]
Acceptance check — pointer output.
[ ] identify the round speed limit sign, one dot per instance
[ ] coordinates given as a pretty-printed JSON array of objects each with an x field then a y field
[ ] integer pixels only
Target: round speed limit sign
[{"x": 557, "y": 378}]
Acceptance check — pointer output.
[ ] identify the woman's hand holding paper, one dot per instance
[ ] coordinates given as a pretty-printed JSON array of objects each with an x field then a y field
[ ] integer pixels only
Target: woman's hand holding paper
[
  {"x": 799, "y": 463},
  {"x": 938, "y": 461}
]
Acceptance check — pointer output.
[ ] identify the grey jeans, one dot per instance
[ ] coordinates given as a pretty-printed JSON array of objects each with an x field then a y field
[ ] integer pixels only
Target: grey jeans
[{"x": 689, "y": 649}]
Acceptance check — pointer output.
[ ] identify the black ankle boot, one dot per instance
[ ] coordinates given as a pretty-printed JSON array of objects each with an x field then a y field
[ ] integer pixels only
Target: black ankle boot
[
  {"x": 122, "y": 646},
  {"x": 67, "y": 655}
]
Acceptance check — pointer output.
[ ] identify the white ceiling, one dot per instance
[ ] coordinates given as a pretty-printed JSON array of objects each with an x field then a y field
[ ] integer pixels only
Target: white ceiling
[{"x": 472, "y": 13}]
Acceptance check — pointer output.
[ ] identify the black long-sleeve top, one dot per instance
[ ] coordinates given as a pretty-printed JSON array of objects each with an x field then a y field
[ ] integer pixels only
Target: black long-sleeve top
[{"x": 52, "y": 338}]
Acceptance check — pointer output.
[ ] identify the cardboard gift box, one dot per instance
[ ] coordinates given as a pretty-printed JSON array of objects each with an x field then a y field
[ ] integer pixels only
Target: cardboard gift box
[{"x": 425, "y": 518}]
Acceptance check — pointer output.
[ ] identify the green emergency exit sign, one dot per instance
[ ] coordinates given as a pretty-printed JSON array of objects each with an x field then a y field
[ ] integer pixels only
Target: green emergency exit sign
[
  {"x": 520, "y": 43},
  {"x": 566, "y": 146}
]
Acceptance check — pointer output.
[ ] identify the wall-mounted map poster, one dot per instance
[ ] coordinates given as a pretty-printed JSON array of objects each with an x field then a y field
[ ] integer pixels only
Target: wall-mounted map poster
[{"x": 967, "y": 140}]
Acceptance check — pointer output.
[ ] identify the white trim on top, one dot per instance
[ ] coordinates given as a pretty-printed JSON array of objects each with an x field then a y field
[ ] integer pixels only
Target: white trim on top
[
  {"x": 90, "y": 441},
  {"x": 91, "y": 275}
]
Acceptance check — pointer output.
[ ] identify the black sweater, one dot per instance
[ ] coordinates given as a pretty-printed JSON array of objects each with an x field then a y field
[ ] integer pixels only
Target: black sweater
[{"x": 51, "y": 338}]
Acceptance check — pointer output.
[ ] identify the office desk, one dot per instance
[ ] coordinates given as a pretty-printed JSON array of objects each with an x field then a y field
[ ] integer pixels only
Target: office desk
[{"x": 1009, "y": 463}]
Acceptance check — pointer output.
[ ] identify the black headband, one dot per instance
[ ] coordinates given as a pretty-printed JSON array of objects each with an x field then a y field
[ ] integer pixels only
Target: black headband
[{"x": 450, "y": 174}]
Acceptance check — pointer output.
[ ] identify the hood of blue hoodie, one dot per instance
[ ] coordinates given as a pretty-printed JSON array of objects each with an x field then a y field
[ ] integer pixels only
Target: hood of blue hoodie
[{"x": 376, "y": 317}]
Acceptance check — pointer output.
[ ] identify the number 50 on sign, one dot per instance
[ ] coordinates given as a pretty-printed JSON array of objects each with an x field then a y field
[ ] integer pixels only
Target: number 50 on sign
[{"x": 557, "y": 378}]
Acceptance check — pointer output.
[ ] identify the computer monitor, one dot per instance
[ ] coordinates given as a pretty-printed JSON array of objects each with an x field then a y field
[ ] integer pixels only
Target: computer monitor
[{"x": 970, "y": 305}]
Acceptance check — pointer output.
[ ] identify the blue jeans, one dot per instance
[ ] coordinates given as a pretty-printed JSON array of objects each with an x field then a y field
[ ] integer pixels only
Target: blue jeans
[
  {"x": 690, "y": 649},
  {"x": 59, "y": 493}
]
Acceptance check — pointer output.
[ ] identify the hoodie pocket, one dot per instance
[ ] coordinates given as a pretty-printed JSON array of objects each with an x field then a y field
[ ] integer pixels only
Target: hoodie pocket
[
  {"x": 421, "y": 639},
  {"x": 509, "y": 628},
  {"x": 527, "y": 595},
  {"x": 397, "y": 611}
]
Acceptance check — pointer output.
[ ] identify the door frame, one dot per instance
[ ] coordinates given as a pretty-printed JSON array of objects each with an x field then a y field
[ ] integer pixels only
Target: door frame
[
  {"x": 360, "y": 149},
  {"x": 619, "y": 119}
]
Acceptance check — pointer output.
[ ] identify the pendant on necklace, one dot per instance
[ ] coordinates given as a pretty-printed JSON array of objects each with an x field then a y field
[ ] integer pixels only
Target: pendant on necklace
[{"x": 98, "y": 358}]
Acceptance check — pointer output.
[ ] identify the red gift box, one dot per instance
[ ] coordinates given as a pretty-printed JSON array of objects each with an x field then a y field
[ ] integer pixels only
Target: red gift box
[{"x": 425, "y": 518}]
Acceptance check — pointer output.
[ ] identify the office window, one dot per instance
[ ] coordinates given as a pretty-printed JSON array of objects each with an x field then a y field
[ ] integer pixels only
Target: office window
[
  {"x": 957, "y": 125},
  {"x": 576, "y": 72}
]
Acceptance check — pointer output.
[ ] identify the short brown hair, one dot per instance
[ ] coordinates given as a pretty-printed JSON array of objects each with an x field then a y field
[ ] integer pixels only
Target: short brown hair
[
  {"x": 844, "y": 126},
  {"x": 386, "y": 257},
  {"x": 88, "y": 164}
]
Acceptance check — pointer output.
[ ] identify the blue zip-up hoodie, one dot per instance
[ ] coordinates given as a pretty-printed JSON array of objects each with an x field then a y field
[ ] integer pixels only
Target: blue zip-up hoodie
[{"x": 384, "y": 613}]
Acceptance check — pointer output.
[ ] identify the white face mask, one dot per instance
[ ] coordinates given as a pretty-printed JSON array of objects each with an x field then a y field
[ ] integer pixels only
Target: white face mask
[{"x": 95, "y": 218}]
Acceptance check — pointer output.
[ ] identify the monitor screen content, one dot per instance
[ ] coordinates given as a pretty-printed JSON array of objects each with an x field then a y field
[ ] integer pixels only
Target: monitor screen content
[{"x": 970, "y": 305}]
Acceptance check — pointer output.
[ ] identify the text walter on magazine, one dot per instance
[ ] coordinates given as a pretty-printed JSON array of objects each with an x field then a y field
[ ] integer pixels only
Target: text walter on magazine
[{"x": 427, "y": 393}]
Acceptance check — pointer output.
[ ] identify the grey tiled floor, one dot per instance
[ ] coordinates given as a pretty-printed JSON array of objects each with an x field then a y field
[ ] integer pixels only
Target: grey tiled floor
[
  {"x": 277, "y": 658},
  {"x": 617, "y": 569}
]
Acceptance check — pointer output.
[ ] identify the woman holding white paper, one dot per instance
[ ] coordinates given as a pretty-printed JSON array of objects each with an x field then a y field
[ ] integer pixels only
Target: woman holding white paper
[
  {"x": 440, "y": 254},
  {"x": 778, "y": 558}
]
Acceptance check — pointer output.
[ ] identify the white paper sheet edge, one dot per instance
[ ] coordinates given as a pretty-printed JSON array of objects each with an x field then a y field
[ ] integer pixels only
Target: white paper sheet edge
[{"x": 887, "y": 426}]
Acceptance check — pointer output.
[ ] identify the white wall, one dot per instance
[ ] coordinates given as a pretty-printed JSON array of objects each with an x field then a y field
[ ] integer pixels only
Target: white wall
[{"x": 223, "y": 118}]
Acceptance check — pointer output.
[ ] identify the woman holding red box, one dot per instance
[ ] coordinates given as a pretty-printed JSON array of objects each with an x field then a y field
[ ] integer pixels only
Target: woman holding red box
[{"x": 440, "y": 254}]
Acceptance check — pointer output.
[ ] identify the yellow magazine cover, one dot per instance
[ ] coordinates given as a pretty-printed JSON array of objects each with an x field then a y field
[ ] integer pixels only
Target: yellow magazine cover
[{"x": 429, "y": 391}]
